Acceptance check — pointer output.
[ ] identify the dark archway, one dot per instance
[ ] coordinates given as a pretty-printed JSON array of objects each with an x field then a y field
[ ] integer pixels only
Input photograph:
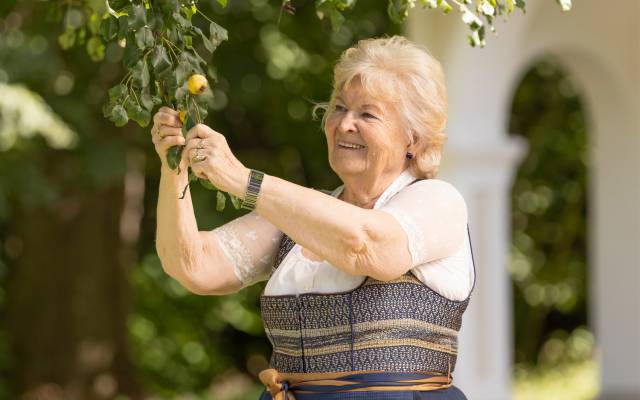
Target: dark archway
[{"x": 549, "y": 218}]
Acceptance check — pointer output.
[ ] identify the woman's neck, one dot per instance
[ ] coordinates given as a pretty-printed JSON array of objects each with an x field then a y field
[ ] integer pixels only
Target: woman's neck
[
  {"x": 364, "y": 193},
  {"x": 363, "y": 202},
  {"x": 364, "y": 196}
]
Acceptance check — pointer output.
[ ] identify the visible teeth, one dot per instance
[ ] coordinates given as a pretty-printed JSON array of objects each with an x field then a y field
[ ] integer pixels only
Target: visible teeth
[{"x": 352, "y": 146}]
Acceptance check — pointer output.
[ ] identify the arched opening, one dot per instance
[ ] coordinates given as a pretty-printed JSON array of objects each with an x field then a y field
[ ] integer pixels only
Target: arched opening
[{"x": 549, "y": 256}]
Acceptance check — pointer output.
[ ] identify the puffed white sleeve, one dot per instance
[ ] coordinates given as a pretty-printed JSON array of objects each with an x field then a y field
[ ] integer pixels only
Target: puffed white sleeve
[
  {"x": 250, "y": 242},
  {"x": 433, "y": 215}
]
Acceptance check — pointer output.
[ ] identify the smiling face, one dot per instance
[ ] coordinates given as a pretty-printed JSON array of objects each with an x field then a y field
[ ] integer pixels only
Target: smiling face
[{"x": 374, "y": 127}]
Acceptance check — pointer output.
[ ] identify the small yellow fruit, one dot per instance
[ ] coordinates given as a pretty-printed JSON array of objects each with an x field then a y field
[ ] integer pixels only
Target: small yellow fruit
[
  {"x": 197, "y": 84},
  {"x": 183, "y": 115}
]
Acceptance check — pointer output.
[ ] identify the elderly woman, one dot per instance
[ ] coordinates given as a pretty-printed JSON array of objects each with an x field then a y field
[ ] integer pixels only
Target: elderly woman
[{"x": 367, "y": 284}]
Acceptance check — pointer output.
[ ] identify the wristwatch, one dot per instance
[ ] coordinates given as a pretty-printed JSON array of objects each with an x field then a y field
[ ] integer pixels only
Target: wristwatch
[{"x": 253, "y": 188}]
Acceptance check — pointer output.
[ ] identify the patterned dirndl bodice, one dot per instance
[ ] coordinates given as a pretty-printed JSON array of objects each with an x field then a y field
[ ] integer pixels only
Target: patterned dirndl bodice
[
  {"x": 396, "y": 326},
  {"x": 400, "y": 325}
]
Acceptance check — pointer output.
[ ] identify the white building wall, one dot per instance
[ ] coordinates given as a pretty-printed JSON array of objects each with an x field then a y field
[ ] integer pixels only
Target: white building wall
[{"x": 600, "y": 46}]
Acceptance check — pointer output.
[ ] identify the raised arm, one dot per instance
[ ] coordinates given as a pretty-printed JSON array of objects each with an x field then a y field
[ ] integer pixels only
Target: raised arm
[{"x": 215, "y": 262}]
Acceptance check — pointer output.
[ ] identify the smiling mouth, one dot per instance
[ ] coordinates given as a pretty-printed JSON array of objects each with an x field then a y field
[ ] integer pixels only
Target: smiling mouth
[{"x": 349, "y": 146}]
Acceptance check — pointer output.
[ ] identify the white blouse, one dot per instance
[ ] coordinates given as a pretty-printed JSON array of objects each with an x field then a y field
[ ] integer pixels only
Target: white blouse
[{"x": 441, "y": 260}]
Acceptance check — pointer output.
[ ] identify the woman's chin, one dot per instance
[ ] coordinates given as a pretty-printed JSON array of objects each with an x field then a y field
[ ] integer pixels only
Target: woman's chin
[{"x": 348, "y": 168}]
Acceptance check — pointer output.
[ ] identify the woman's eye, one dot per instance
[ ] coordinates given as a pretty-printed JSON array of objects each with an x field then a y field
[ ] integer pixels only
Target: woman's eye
[
  {"x": 368, "y": 115},
  {"x": 339, "y": 108}
]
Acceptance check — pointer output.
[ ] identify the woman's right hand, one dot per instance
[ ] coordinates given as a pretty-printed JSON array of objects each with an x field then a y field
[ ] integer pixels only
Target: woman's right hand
[{"x": 166, "y": 133}]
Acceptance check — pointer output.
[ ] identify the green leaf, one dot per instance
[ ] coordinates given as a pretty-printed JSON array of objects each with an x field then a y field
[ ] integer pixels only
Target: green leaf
[
  {"x": 207, "y": 184},
  {"x": 182, "y": 21},
  {"x": 181, "y": 94},
  {"x": 173, "y": 34},
  {"x": 140, "y": 73},
  {"x": 95, "y": 49},
  {"x": 142, "y": 117},
  {"x": 68, "y": 38},
  {"x": 119, "y": 116},
  {"x": 156, "y": 22},
  {"x": 235, "y": 201},
  {"x": 188, "y": 41},
  {"x": 328, "y": 9},
  {"x": 220, "y": 201},
  {"x": 189, "y": 123},
  {"x": 212, "y": 73},
  {"x": 218, "y": 34},
  {"x": 174, "y": 156},
  {"x": 205, "y": 40},
  {"x": 109, "y": 28},
  {"x": 509, "y": 5},
  {"x": 107, "y": 108},
  {"x": 144, "y": 38},
  {"x": 398, "y": 10},
  {"x": 223, "y": 3},
  {"x": 169, "y": 6},
  {"x": 202, "y": 106},
  {"x": 189, "y": 12},
  {"x": 131, "y": 52},
  {"x": 194, "y": 110},
  {"x": 114, "y": 13},
  {"x": 183, "y": 71},
  {"x": 194, "y": 59},
  {"x": 138, "y": 18},
  {"x": 146, "y": 99},
  {"x": 123, "y": 27},
  {"x": 117, "y": 91},
  {"x": 156, "y": 100},
  {"x": 160, "y": 61}
]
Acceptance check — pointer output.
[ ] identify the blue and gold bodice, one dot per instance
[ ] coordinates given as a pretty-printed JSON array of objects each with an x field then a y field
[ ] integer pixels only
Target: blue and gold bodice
[{"x": 396, "y": 326}]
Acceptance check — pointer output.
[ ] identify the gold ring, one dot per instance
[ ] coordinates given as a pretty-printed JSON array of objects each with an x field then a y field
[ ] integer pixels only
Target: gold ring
[
  {"x": 200, "y": 146},
  {"x": 198, "y": 157}
]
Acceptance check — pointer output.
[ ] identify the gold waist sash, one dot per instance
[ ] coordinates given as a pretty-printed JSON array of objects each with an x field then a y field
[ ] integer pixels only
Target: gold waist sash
[{"x": 281, "y": 385}]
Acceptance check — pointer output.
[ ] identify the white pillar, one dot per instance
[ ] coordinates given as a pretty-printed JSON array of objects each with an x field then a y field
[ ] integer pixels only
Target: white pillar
[
  {"x": 484, "y": 176},
  {"x": 614, "y": 261}
]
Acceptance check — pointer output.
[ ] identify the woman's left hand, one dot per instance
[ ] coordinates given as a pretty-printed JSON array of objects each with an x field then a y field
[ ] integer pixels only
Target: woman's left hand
[{"x": 210, "y": 158}]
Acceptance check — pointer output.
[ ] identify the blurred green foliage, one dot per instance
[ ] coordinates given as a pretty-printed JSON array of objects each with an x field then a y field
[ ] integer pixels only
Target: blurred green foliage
[
  {"x": 549, "y": 219},
  {"x": 573, "y": 381},
  {"x": 269, "y": 77}
]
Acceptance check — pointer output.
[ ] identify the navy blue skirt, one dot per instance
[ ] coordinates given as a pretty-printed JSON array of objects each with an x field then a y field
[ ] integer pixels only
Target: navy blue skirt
[{"x": 451, "y": 393}]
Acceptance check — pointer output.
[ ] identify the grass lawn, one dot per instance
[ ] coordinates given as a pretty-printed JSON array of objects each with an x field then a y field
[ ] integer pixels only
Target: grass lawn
[{"x": 576, "y": 381}]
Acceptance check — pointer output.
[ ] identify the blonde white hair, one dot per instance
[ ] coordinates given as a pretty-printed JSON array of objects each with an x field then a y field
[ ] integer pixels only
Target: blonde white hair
[{"x": 397, "y": 71}]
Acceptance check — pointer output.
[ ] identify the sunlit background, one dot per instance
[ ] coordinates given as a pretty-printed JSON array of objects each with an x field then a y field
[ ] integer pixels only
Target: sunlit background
[{"x": 87, "y": 311}]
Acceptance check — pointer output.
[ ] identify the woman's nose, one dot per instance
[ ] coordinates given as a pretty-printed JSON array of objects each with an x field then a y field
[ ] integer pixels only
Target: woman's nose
[{"x": 347, "y": 122}]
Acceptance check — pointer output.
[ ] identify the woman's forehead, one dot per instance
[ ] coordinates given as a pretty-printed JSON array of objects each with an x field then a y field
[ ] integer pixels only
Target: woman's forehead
[
  {"x": 374, "y": 96},
  {"x": 361, "y": 97}
]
